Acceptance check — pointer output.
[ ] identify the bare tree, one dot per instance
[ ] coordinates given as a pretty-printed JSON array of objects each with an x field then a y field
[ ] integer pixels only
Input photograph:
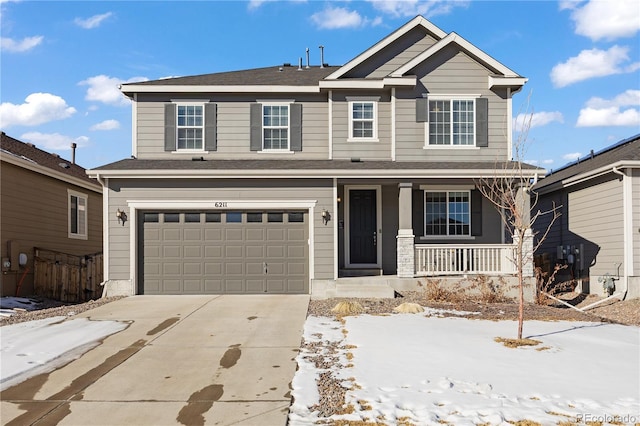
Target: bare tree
[{"x": 509, "y": 191}]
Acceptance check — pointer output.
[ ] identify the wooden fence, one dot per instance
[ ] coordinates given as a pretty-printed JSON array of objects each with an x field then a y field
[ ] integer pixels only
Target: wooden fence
[{"x": 67, "y": 277}]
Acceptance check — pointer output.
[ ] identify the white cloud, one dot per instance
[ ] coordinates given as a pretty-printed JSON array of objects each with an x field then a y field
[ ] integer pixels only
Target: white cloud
[
  {"x": 103, "y": 88},
  {"x": 38, "y": 108},
  {"x": 572, "y": 156},
  {"x": 622, "y": 110},
  {"x": 537, "y": 119},
  {"x": 254, "y": 4},
  {"x": 106, "y": 125},
  {"x": 411, "y": 8},
  {"x": 27, "y": 43},
  {"x": 337, "y": 17},
  {"x": 609, "y": 20},
  {"x": 54, "y": 141},
  {"x": 547, "y": 161},
  {"x": 93, "y": 21},
  {"x": 593, "y": 63}
]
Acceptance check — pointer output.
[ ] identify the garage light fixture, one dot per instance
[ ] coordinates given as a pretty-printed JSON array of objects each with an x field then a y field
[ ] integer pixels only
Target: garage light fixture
[
  {"x": 326, "y": 216},
  {"x": 121, "y": 216}
]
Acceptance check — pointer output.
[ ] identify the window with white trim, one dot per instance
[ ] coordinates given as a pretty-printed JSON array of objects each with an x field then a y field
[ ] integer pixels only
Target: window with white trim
[
  {"x": 451, "y": 122},
  {"x": 447, "y": 213},
  {"x": 275, "y": 127},
  {"x": 77, "y": 215},
  {"x": 363, "y": 120},
  {"x": 190, "y": 127}
]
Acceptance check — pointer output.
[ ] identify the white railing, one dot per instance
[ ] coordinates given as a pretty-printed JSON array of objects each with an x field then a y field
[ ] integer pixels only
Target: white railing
[{"x": 450, "y": 259}]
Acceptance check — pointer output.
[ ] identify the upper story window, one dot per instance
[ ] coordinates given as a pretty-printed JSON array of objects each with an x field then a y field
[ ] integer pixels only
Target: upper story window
[
  {"x": 77, "y": 203},
  {"x": 275, "y": 127},
  {"x": 363, "y": 120},
  {"x": 190, "y": 127},
  {"x": 452, "y": 122},
  {"x": 447, "y": 213}
]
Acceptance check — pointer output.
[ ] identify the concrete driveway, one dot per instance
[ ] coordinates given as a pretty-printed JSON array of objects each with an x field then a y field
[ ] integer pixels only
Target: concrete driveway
[{"x": 192, "y": 360}]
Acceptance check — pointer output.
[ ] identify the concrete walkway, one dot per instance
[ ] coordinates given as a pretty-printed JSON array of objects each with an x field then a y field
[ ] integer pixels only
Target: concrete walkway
[{"x": 192, "y": 360}]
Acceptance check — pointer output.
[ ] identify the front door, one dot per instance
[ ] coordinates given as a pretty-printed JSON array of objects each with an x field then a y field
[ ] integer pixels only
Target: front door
[{"x": 363, "y": 238}]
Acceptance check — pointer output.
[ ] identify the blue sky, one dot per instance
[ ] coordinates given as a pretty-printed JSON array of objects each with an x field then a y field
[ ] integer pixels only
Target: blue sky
[{"x": 61, "y": 62}]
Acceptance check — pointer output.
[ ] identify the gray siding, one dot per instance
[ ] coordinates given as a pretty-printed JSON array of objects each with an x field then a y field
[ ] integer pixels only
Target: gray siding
[
  {"x": 345, "y": 149},
  {"x": 233, "y": 127},
  {"x": 120, "y": 191},
  {"x": 450, "y": 72}
]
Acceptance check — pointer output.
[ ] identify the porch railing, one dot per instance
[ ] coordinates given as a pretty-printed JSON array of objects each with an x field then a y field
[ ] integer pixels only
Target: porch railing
[{"x": 450, "y": 259}]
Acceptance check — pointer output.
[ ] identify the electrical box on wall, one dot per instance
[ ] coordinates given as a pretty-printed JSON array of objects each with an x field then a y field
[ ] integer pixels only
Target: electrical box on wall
[
  {"x": 12, "y": 251},
  {"x": 6, "y": 264}
]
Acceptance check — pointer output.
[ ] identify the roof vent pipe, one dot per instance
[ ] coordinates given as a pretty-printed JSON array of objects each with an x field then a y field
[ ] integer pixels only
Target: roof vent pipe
[
  {"x": 300, "y": 64},
  {"x": 73, "y": 152},
  {"x": 307, "y": 58},
  {"x": 321, "y": 56}
]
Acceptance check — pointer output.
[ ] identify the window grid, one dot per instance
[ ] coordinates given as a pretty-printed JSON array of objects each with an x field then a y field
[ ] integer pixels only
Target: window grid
[
  {"x": 190, "y": 127},
  {"x": 447, "y": 213},
  {"x": 275, "y": 127},
  {"x": 451, "y": 122},
  {"x": 363, "y": 117}
]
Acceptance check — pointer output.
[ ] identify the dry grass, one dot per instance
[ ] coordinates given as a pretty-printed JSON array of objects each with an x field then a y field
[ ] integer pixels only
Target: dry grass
[
  {"x": 347, "y": 308},
  {"x": 515, "y": 343},
  {"x": 408, "y": 308},
  {"x": 477, "y": 289}
]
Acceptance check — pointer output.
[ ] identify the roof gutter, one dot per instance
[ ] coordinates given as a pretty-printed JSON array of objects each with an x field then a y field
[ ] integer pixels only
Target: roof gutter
[{"x": 592, "y": 174}]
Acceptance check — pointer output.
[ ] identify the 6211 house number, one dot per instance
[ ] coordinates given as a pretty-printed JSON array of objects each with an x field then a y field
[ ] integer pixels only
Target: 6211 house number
[{"x": 220, "y": 204}]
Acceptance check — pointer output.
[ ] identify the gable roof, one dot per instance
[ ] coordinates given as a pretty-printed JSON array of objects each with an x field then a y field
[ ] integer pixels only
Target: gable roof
[
  {"x": 624, "y": 153},
  {"x": 28, "y": 156}
]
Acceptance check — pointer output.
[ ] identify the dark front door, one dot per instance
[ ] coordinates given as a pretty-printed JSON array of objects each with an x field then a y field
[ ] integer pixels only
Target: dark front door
[{"x": 363, "y": 238}]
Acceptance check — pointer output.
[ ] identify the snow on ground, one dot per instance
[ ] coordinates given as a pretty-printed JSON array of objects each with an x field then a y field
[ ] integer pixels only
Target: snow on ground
[
  {"x": 34, "y": 347},
  {"x": 427, "y": 370}
]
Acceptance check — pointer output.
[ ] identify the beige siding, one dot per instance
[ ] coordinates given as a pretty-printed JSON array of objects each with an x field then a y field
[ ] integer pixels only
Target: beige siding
[
  {"x": 233, "y": 128},
  {"x": 35, "y": 214},
  {"x": 345, "y": 149},
  {"x": 229, "y": 190},
  {"x": 450, "y": 72},
  {"x": 635, "y": 202},
  {"x": 595, "y": 219}
]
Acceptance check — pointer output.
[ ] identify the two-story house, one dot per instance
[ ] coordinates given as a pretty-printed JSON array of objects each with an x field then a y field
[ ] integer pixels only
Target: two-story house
[{"x": 284, "y": 179}]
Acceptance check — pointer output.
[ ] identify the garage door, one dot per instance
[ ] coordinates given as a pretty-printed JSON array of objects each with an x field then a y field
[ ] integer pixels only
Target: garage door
[{"x": 230, "y": 252}]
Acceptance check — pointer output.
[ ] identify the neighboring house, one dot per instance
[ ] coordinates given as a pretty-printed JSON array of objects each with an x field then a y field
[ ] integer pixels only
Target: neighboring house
[
  {"x": 46, "y": 202},
  {"x": 285, "y": 179},
  {"x": 598, "y": 233}
]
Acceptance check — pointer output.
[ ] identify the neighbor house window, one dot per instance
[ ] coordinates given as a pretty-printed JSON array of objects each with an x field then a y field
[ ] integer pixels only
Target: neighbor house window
[
  {"x": 275, "y": 127},
  {"x": 447, "y": 213},
  {"x": 452, "y": 122},
  {"x": 77, "y": 215},
  {"x": 190, "y": 127},
  {"x": 362, "y": 120}
]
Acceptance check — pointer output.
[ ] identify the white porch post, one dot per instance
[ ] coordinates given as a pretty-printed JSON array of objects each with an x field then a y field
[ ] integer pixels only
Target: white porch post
[{"x": 405, "y": 256}]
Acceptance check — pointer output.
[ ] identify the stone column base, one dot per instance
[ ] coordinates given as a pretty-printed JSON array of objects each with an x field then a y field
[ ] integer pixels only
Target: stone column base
[{"x": 405, "y": 256}]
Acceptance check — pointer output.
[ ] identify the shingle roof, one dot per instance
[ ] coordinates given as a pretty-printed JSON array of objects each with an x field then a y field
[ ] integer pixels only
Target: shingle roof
[
  {"x": 267, "y": 165},
  {"x": 277, "y": 75},
  {"x": 30, "y": 153},
  {"x": 625, "y": 150}
]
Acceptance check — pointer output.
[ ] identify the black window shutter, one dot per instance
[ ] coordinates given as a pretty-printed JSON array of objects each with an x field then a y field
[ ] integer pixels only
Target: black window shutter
[
  {"x": 482, "y": 122},
  {"x": 422, "y": 110},
  {"x": 170, "y": 127},
  {"x": 476, "y": 213},
  {"x": 256, "y": 127},
  {"x": 417, "y": 199},
  {"x": 295, "y": 142},
  {"x": 210, "y": 127}
]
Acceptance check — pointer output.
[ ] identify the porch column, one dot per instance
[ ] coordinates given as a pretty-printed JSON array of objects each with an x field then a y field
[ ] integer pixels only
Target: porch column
[
  {"x": 523, "y": 200},
  {"x": 405, "y": 256}
]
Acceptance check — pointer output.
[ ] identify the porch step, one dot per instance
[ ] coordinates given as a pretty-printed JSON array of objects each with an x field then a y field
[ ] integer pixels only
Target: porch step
[
  {"x": 368, "y": 272},
  {"x": 363, "y": 287}
]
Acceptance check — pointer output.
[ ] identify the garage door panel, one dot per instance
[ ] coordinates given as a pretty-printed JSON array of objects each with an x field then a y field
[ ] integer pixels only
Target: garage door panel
[{"x": 212, "y": 256}]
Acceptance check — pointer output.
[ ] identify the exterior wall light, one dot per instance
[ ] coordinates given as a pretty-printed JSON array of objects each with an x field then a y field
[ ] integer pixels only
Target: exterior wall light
[
  {"x": 121, "y": 216},
  {"x": 326, "y": 216}
]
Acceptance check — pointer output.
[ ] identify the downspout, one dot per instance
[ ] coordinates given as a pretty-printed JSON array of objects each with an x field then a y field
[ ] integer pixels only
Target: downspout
[
  {"x": 627, "y": 228},
  {"x": 105, "y": 230}
]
